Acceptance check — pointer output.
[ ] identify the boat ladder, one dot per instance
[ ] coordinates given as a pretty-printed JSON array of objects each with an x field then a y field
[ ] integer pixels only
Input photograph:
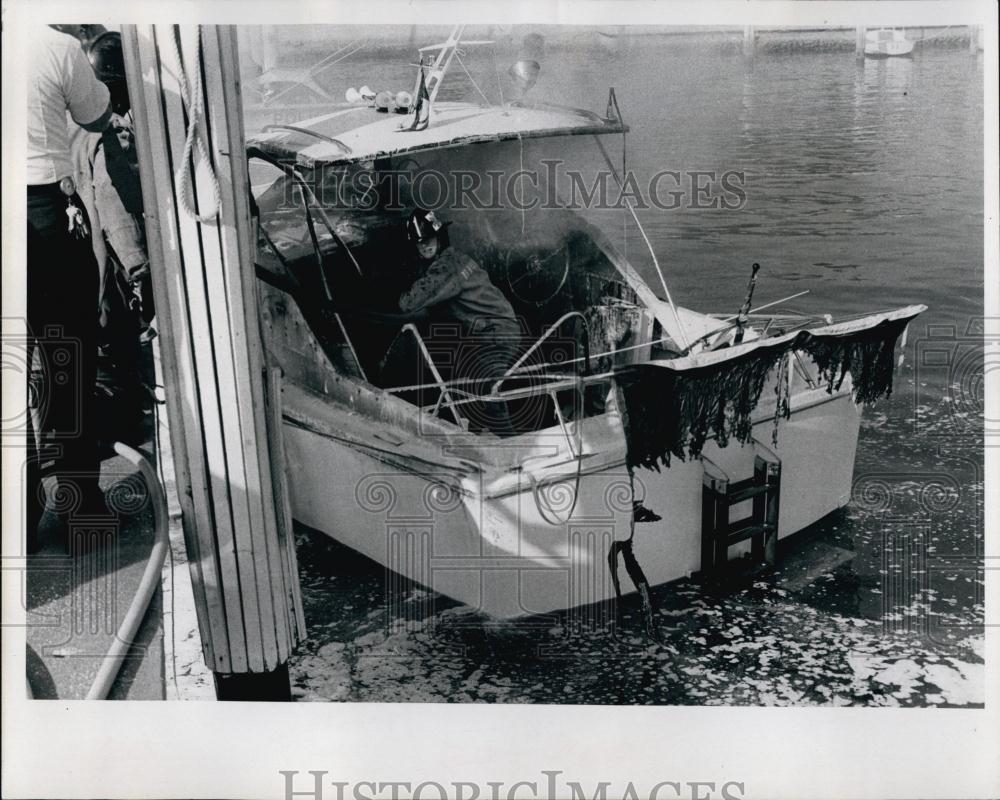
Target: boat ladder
[{"x": 719, "y": 533}]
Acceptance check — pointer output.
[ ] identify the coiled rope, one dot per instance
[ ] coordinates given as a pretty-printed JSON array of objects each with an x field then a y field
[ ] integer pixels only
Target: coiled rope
[{"x": 193, "y": 142}]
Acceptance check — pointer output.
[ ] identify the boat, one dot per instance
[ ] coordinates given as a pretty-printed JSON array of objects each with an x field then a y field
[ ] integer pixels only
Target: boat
[
  {"x": 634, "y": 415},
  {"x": 886, "y": 42}
]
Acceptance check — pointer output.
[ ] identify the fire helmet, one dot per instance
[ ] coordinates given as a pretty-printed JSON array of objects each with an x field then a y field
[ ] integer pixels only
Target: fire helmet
[{"x": 423, "y": 225}]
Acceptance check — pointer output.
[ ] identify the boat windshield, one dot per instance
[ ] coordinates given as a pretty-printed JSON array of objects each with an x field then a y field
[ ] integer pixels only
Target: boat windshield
[{"x": 334, "y": 237}]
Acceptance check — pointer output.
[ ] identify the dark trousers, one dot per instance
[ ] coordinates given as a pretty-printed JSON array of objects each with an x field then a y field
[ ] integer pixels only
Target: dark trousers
[
  {"x": 62, "y": 280},
  {"x": 487, "y": 362}
]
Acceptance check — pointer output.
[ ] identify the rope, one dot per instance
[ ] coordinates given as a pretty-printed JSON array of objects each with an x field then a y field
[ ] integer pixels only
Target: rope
[
  {"x": 193, "y": 142},
  {"x": 473, "y": 80},
  {"x": 520, "y": 156},
  {"x": 320, "y": 66},
  {"x": 496, "y": 69}
]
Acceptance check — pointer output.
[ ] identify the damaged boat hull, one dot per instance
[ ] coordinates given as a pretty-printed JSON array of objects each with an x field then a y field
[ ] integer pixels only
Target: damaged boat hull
[{"x": 518, "y": 542}]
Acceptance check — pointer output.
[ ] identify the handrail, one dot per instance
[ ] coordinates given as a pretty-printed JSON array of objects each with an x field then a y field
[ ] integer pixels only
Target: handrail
[
  {"x": 538, "y": 343},
  {"x": 802, "y": 369},
  {"x": 722, "y": 473},
  {"x": 732, "y": 320},
  {"x": 536, "y": 391},
  {"x": 308, "y": 200},
  {"x": 409, "y": 327},
  {"x": 306, "y": 132},
  {"x": 775, "y": 458},
  {"x": 573, "y": 451}
]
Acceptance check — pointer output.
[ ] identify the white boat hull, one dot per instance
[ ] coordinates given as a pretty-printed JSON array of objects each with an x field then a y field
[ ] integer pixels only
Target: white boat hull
[
  {"x": 885, "y": 43},
  {"x": 507, "y": 555}
]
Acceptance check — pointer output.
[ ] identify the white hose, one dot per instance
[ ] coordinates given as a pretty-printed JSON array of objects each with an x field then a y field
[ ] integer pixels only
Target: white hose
[{"x": 147, "y": 586}]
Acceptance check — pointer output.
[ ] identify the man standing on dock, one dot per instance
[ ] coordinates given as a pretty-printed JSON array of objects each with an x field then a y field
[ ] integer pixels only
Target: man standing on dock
[{"x": 62, "y": 278}]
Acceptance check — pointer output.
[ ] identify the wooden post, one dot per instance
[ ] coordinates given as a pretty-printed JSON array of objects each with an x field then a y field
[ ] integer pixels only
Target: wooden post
[
  {"x": 749, "y": 41},
  {"x": 233, "y": 506},
  {"x": 859, "y": 43}
]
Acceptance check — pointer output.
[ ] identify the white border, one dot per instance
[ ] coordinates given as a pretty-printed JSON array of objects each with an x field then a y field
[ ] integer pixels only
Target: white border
[{"x": 139, "y": 749}]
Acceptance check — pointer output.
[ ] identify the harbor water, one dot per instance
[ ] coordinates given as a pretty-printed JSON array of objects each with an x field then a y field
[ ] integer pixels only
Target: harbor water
[{"x": 863, "y": 184}]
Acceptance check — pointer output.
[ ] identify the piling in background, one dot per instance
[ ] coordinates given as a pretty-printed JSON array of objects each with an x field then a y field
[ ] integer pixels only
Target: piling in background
[
  {"x": 749, "y": 41},
  {"x": 221, "y": 407}
]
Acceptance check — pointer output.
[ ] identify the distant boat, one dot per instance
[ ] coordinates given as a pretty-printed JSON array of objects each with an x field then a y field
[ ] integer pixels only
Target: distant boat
[{"x": 887, "y": 42}]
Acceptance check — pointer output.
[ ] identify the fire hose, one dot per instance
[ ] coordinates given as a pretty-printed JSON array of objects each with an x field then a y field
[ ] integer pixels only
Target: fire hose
[
  {"x": 147, "y": 585},
  {"x": 125, "y": 636}
]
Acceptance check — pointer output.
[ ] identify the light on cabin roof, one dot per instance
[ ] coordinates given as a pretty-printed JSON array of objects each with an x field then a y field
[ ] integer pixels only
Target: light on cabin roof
[{"x": 403, "y": 101}]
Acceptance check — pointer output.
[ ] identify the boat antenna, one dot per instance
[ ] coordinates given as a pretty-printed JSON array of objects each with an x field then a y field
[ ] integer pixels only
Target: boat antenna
[
  {"x": 656, "y": 262},
  {"x": 741, "y": 315},
  {"x": 496, "y": 69}
]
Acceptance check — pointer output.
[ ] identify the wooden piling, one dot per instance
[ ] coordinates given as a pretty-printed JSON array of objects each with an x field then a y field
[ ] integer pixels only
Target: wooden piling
[
  {"x": 749, "y": 41},
  {"x": 233, "y": 505},
  {"x": 859, "y": 43}
]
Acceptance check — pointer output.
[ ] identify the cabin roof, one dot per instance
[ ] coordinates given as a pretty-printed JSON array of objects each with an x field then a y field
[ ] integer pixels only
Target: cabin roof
[{"x": 360, "y": 133}]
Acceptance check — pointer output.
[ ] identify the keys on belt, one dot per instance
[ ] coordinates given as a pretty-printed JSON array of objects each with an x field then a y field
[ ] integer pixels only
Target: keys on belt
[{"x": 76, "y": 222}]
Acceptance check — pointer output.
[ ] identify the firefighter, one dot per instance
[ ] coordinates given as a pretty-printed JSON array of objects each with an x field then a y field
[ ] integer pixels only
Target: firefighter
[{"x": 450, "y": 287}]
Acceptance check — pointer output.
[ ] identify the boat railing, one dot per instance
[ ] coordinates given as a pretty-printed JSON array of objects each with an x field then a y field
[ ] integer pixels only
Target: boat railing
[
  {"x": 307, "y": 132},
  {"x": 712, "y": 469},
  {"x": 771, "y": 455},
  {"x": 541, "y": 339},
  {"x": 801, "y": 368},
  {"x": 439, "y": 382}
]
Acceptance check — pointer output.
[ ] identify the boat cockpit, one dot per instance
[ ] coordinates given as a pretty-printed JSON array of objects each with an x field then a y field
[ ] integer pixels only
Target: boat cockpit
[{"x": 333, "y": 239}]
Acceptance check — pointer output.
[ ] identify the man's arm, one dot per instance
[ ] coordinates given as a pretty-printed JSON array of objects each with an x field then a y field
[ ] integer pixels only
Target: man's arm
[
  {"x": 87, "y": 99},
  {"x": 123, "y": 230},
  {"x": 437, "y": 285}
]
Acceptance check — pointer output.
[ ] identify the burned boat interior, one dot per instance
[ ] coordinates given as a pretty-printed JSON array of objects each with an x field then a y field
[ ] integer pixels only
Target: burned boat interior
[
  {"x": 336, "y": 244},
  {"x": 332, "y": 238}
]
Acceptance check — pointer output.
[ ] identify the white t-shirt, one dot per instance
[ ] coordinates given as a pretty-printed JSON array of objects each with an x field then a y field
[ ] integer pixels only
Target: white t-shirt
[{"x": 60, "y": 79}]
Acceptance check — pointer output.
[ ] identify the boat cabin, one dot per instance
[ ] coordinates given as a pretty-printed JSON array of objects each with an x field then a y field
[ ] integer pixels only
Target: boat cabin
[{"x": 332, "y": 196}]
